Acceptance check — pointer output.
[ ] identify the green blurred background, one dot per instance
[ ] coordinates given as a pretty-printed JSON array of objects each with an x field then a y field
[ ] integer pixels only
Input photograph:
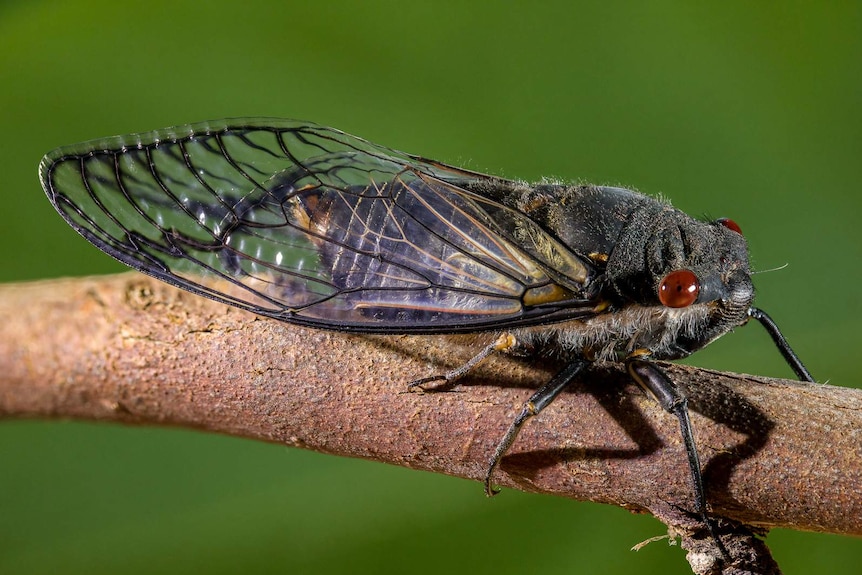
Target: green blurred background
[{"x": 746, "y": 110}]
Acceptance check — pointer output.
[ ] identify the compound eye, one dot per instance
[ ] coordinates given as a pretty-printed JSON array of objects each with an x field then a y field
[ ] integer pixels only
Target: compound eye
[
  {"x": 679, "y": 289},
  {"x": 730, "y": 224}
]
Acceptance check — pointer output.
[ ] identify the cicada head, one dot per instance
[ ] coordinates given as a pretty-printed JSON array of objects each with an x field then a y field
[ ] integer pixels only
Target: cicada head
[{"x": 691, "y": 277}]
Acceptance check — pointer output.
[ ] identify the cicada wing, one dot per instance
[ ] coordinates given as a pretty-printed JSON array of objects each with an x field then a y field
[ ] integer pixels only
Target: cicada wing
[{"x": 310, "y": 225}]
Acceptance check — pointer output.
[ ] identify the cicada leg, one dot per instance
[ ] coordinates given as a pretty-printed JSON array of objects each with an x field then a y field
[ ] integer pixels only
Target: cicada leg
[
  {"x": 503, "y": 343},
  {"x": 652, "y": 379},
  {"x": 537, "y": 402}
]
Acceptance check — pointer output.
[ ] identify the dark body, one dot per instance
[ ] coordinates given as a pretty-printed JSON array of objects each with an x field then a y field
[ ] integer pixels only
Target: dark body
[
  {"x": 312, "y": 226},
  {"x": 633, "y": 242}
]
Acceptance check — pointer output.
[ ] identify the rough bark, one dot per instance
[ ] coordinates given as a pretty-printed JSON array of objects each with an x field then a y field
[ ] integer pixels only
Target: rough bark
[{"x": 130, "y": 349}]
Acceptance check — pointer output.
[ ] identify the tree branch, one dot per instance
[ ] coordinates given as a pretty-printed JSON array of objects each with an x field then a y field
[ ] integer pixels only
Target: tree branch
[{"x": 130, "y": 349}]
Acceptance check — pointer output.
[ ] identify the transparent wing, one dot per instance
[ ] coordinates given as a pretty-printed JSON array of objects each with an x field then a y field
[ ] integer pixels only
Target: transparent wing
[{"x": 310, "y": 225}]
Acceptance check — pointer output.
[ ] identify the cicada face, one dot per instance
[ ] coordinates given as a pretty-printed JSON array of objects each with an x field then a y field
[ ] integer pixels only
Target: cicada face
[{"x": 692, "y": 276}]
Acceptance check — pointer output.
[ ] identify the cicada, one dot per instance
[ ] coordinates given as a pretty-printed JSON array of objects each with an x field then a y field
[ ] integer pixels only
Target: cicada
[{"x": 312, "y": 226}]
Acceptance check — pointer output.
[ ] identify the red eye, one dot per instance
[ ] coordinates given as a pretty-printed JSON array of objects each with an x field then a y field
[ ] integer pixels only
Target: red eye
[
  {"x": 679, "y": 289},
  {"x": 730, "y": 224}
]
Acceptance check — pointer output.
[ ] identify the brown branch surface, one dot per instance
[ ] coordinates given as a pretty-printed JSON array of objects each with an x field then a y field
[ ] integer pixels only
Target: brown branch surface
[{"x": 130, "y": 349}]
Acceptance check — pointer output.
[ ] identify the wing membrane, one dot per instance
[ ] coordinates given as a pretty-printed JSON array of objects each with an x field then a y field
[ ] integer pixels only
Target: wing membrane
[{"x": 310, "y": 225}]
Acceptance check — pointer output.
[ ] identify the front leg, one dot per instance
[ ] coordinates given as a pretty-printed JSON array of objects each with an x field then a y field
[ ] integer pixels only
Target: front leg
[{"x": 652, "y": 379}]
